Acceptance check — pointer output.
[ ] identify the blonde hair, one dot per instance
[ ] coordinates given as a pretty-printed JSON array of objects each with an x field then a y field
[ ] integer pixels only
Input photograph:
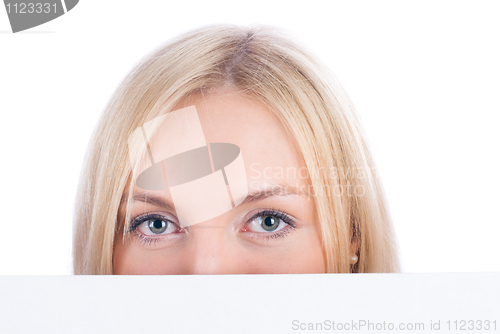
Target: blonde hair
[{"x": 265, "y": 64}]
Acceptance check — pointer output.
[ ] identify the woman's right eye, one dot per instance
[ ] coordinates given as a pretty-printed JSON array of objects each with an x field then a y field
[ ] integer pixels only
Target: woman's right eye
[{"x": 156, "y": 226}]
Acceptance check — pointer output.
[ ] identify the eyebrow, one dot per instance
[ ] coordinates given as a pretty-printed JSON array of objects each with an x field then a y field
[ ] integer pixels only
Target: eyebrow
[
  {"x": 145, "y": 197},
  {"x": 255, "y": 196},
  {"x": 278, "y": 190}
]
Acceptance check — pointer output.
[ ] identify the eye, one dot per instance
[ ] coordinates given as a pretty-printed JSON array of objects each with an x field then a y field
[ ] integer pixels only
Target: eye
[
  {"x": 155, "y": 225},
  {"x": 266, "y": 223}
]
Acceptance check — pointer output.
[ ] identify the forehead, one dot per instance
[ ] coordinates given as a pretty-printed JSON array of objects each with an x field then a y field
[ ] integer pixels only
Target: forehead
[{"x": 247, "y": 123}]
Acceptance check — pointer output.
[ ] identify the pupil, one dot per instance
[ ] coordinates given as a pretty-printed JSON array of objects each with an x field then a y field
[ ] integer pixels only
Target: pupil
[
  {"x": 158, "y": 224},
  {"x": 269, "y": 221}
]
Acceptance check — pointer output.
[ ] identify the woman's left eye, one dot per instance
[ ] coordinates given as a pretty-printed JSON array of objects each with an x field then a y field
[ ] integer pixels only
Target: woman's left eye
[{"x": 266, "y": 223}]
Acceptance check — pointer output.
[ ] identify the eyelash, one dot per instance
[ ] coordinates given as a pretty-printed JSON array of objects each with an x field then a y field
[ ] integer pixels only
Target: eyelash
[{"x": 153, "y": 240}]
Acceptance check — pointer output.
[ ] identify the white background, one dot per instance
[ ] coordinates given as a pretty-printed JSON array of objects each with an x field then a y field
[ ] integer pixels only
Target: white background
[{"x": 423, "y": 75}]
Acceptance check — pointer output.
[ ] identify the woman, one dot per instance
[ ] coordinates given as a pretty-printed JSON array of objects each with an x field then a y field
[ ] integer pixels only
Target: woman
[{"x": 308, "y": 198}]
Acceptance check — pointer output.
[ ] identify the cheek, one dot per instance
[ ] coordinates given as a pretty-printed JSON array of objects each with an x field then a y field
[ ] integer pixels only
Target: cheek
[
  {"x": 292, "y": 263},
  {"x": 133, "y": 261},
  {"x": 123, "y": 260},
  {"x": 297, "y": 257}
]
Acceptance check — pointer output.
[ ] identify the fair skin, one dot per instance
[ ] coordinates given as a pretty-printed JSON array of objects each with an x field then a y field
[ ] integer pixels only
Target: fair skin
[{"x": 274, "y": 230}]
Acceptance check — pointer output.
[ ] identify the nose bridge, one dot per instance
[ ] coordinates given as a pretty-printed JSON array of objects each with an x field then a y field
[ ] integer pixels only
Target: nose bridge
[{"x": 211, "y": 252}]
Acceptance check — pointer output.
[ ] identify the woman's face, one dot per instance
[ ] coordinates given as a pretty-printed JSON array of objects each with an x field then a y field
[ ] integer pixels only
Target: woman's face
[{"x": 273, "y": 230}]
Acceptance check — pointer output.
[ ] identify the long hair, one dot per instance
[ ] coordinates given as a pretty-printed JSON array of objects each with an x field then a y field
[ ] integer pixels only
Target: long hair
[{"x": 265, "y": 64}]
